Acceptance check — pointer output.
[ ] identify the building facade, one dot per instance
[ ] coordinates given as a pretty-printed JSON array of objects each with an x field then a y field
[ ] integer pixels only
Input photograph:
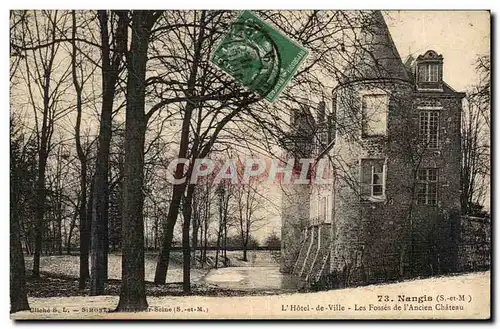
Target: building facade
[{"x": 391, "y": 135}]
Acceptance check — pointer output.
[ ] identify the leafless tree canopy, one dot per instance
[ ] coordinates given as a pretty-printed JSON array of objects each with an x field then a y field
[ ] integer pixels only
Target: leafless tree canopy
[{"x": 102, "y": 101}]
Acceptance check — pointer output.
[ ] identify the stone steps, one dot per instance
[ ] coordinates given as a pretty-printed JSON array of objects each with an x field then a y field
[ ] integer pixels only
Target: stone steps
[
  {"x": 309, "y": 261},
  {"x": 314, "y": 254},
  {"x": 306, "y": 242},
  {"x": 320, "y": 257}
]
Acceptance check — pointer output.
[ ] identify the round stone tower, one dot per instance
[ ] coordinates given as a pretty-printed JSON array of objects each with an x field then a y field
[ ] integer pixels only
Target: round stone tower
[{"x": 373, "y": 106}]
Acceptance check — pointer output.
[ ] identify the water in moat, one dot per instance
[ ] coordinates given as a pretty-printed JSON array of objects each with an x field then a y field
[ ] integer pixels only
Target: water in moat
[{"x": 259, "y": 273}]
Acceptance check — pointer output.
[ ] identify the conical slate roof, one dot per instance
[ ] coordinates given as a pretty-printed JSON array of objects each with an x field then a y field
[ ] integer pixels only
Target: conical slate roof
[{"x": 375, "y": 55}]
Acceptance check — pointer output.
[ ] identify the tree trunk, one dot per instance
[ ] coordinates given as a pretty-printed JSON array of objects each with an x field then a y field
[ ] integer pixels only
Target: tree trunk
[
  {"x": 245, "y": 242},
  {"x": 59, "y": 225},
  {"x": 186, "y": 250},
  {"x": 18, "y": 293},
  {"x": 217, "y": 248},
  {"x": 71, "y": 230},
  {"x": 225, "y": 239},
  {"x": 110, "y": 71},
  {"x": 205, "y": 233},
  {"x": 219, "y": 235},
  {"x": 99, "y": 204},
  {"x": 84, "y": 228},
  {"x": 200, "y": 243},
  {"x": 133, "y": 290},
  {"x": 43, "y": 153},
  {"x": 245, "y": 249},
  {"x": 179, "y": 189},
  {"x": 85, "y": 239},
  {"x": 196, "y": 218},
  {"x": 40, "y": 211},
  {"x": 173, "y": 212},
  {"x": 157, "y": 223}
]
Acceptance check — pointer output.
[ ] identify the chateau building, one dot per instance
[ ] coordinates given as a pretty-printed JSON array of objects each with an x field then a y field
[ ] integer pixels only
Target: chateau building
[{"x": 391, "y": 135}]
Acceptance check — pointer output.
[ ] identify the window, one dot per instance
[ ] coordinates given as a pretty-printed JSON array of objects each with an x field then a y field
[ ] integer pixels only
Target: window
[
  {"x": 322, "y": 209},
  {"x": 323, "y": 138},
  {"x": 427, "y": 181},
  {"x": 331, "y": 127},
  {"x": 374, "y": 121},
  {"x": 328, "y": 217},
  {"x": 359, "y": 258},
  {"x": 428, "y": 72},
  {"x": 428, "y": 128},
  {"x": 372, "y": 178}
]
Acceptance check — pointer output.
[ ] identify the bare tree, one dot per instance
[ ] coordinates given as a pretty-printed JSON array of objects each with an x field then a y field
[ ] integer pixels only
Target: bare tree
[
  {"x": 482, "y": 90},
  {"x": 224, "y": 194},
  {"x": 202, "y": 202},
  {"x": 111, "y": 61},
  {"x": 476, "y": 130},
  {"x": 18, "y": 168},
  {"x": 59, "y": 200},
  {"x": 187, "y": 209},
  {"x": 79, "y": 79},
  {"x": 46, "y": 78},
  {"x": 72, "y": 226},
  {"x": 17, "y": 21},
  {"x": 248, "y": 201},
  {"x": 202, "y": 88},
  {"x": 133, "y": 291}
]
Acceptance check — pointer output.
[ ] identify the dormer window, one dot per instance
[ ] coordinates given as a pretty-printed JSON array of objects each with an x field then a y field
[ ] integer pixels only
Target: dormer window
[{"x": 429, "y": 72}]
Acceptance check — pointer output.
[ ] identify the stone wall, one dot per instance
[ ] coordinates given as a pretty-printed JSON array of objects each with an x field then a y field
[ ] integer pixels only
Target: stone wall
[
  {"x": 474, "y": 250},
  {"x": 368, "y": 241},
  {"x": 394, "y": 238}
]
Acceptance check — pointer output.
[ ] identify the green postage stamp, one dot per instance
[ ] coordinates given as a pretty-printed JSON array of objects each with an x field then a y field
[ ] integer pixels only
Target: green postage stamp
[{"x": 259, "y": 56}]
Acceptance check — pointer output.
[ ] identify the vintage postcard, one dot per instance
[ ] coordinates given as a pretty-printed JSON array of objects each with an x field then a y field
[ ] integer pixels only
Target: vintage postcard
[{"x": 253, "y": 164}]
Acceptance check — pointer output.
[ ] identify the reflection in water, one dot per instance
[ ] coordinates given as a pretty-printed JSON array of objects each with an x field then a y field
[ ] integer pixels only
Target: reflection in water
[{"x": 252, "y": 278}]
